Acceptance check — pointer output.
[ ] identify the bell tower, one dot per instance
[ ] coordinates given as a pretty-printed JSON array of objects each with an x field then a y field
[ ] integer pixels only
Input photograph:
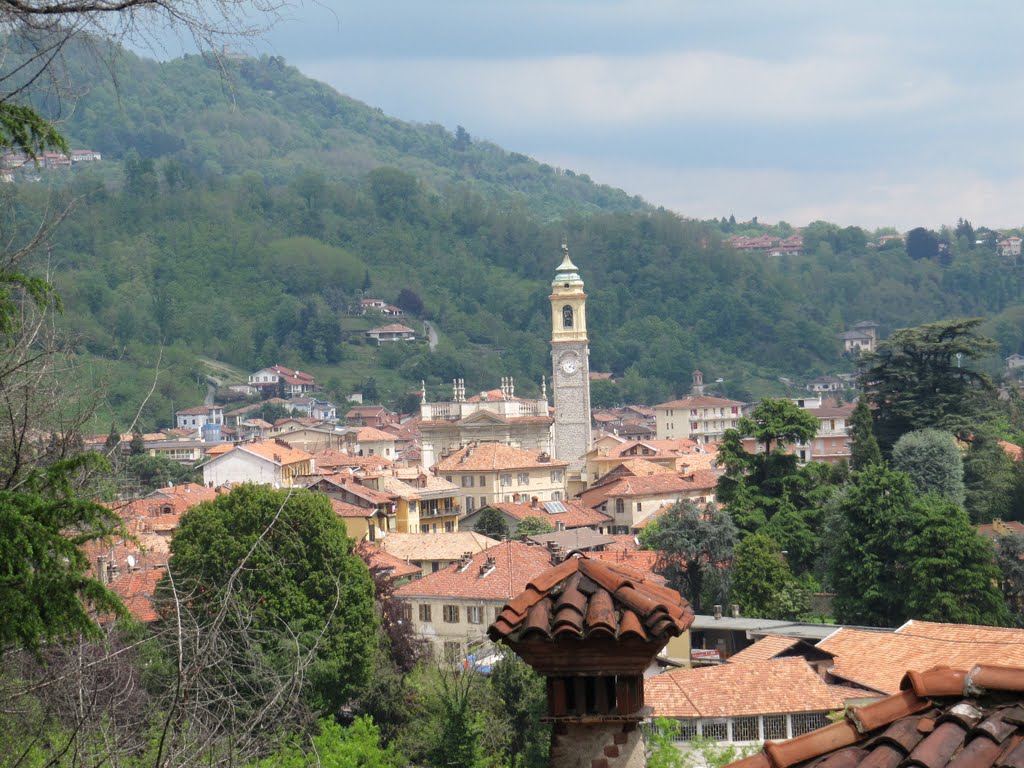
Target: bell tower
[{"x": 570, "y": 364}]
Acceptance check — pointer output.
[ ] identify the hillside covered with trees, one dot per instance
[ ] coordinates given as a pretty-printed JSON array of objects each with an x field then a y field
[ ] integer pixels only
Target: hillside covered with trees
[{"x": 241, "y": 210}]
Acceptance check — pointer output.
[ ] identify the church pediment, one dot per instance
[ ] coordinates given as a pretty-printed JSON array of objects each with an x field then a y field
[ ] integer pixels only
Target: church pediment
[{"x": 482, "y": 418}]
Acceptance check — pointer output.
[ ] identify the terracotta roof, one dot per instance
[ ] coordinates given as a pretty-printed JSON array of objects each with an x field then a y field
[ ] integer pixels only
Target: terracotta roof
[
  {"x": 193, "y": 492},
  {"x": 971, "y": 718},
  {"x": 370, "y": 434},
  {"x": 576, "y": 514},
  {"x": 136, "y": 592},
  {"x": 274, "y": 451},
  {"x": 435, "y": 546},
  {"x": 379, "y": 561},
  {"x": 411, "y": 489},
  {"x": 344, "y": 509},
  {"x": 333, "y": 459},
  {"x": 582, "y": 598},
  {"x": 622, "y": 541},
  {"x": 768, "y": 647},
  {"x": 998, "y": 528},
  {"x": 877, "y": 660},
  {"x": 494, "y": 456},
  {"x": 640, "y": 559},
  {"x": 1015, "y": 452},
  {"x": 515, "y": 564},
  {"x": 650, "y": 485},
  {"x": 772, "y": 686},
  {"x": 198, "y": 410},
  {"x": 368, "y": 410},
  {"x": 699, "y": 401}
]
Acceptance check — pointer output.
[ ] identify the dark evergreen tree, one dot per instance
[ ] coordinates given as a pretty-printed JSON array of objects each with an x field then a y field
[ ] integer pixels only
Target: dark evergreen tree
[
  {"x": 864, "y": 451},
  {"x": 491, "y": 522}
]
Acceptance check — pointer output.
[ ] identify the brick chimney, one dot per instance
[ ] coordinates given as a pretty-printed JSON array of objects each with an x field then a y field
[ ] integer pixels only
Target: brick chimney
[{"x": 592, "y": 628}]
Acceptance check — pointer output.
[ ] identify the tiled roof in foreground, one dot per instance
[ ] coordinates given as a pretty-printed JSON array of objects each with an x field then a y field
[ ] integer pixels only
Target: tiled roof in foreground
[
  {"x": 942, "y": 718},
  {"x": 582, "y": 598}
]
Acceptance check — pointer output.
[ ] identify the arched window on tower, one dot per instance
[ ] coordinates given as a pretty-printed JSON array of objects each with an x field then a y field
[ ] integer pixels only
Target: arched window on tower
[{"x": 567, "y": 316}]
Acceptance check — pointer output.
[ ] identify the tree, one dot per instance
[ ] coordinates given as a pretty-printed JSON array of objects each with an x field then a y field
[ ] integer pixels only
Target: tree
[
  {"x": 763, "y": 584},
  {"x": 1010, "y": 560},
  {"x": 521, "y": 695},
  {"x": 775, "y": 423},
  {"x": 290, "y": 557},
  {"x": 355, "y": 746},
  {"x": 933, "y": 461},
  {"x": 447, "y": 726},
  {"x": 138, "y": 445},
  {"x": 36, "y": 33},
  {"x": 952, "y": 576},
  {"x": 922, "y": 244},
  {"x": 864, "y": 450},
  {"x": 691, "y": 544},
  {"x": 410, "y": 301},
  {"x": 896, "y": 555},
  {"x": 46, "y": 592},
  {"x": 966, "y": 231},
  {"x": 532, "y": 525},
  {"x": 491, "y": 522},
  {"x": 919, "y": 377},
  {"x": 113, "y": 438}
]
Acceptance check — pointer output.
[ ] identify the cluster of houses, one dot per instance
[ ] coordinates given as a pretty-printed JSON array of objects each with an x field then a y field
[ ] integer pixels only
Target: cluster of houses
[
  {"x": 12, "y": 162},
  {"x": 412, "y": 488}
]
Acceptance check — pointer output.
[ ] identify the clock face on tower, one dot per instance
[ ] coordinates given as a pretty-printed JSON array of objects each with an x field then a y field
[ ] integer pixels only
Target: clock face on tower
[{"x": 570, "y": 364}]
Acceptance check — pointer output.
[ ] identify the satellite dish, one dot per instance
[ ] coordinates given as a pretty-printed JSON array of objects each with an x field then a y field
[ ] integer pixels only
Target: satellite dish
[{"x": 131, "y": 561}]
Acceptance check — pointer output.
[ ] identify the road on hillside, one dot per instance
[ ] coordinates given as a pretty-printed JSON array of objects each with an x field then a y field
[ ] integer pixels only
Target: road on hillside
[{"x": 431, "y": 334}]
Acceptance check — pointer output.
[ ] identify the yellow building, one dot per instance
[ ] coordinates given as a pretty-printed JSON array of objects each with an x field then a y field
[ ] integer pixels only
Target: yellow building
[{"x": 492, "y": 472}]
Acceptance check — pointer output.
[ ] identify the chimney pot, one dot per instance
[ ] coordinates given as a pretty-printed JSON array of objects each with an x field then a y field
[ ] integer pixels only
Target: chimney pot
[
  {"x": 718, "y": 611},
  {"x": 735, "y": 611}
]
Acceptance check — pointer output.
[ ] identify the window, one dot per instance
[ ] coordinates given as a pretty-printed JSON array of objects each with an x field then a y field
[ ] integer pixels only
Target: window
[
  {"x": 483, "y": 481},
  {"x": 744, "y": 729},
  {"x": 407, "y": 612},
  {"x": 806, "y": 722},
  {"x": 620, "y": 507},
  {"x": 449, "y": 527},
  {"x": 435, "y": 566},
  {"x": 639, "y": 506},
  {"x": 470, "y": 504},
  {"x": 775, "y": 727},
  {"x": 497, "y": 612},
  {"x": 523, "y": 478},
  {"x": 483, "y": 502},
  {"x": 506, "y": 479},
  {"x": 448, "y": 478},
  {"x": 424, "y": 528},
  {"x": 567, "y": 316},
  {"x": 425, "y": 612},
  {"x": 716, "y": 730},
  {"x": 475, "y": 614},
  {"x": 556, "y": 476},
  {"x": 450, "y": 614},
  {"x": 556, "y": 496},
  {"x": 467, "y": 481}
]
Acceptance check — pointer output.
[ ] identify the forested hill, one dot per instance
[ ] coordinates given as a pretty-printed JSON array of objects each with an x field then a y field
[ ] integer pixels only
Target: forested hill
[
  {"x": 241, "y": 210},
  {"x": 244, "y": 113}
]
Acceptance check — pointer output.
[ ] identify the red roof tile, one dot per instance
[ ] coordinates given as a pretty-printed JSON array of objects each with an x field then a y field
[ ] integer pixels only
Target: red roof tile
[
  {"x": 772, "y": 686},
  {"x": 877, "y": 660},
  {"x": 495, "y": 456},
  {"x": 584, "y": 597},
  {"x": 942, "y": 718},
  {"x": 515, "y": 564},
  {"x": 576, "y": 515},
  {"x": 379, "y": 561},
  {"x": 136, "y": 590}
]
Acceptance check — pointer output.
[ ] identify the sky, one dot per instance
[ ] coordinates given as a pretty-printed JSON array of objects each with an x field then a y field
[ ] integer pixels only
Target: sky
[{"x": 902, "y": 113}]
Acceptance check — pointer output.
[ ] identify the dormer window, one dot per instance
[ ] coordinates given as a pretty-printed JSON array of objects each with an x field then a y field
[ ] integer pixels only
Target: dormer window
[{"x": 567, "y": 316}]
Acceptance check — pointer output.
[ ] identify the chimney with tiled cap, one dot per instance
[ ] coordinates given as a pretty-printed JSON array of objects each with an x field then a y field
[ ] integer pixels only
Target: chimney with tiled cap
[{"x": 592, "y": 628}]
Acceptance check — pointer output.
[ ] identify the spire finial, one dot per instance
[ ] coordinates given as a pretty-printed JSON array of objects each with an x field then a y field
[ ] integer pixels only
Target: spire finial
[
  {"x": 544, "y": 388},
  {"x": 423, "y": 391}
]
